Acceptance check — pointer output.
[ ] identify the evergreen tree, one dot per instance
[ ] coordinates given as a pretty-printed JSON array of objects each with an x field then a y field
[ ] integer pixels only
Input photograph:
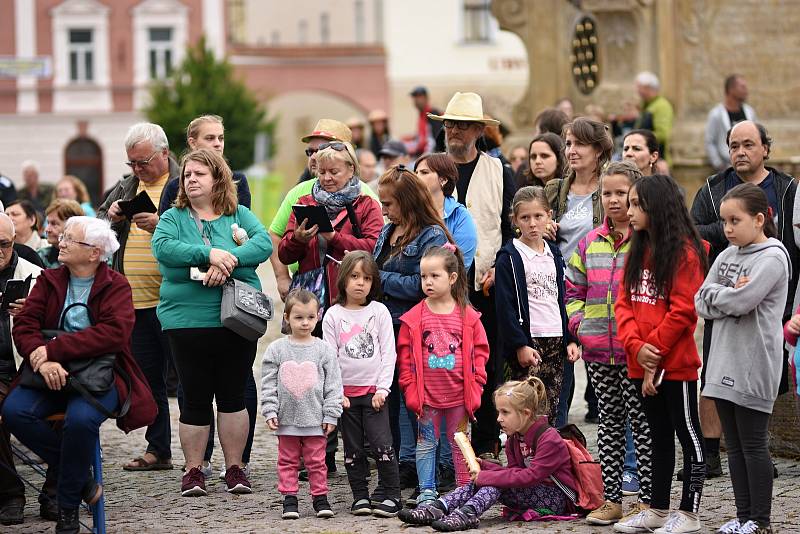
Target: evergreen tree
[{"x": 201, "y": 85}]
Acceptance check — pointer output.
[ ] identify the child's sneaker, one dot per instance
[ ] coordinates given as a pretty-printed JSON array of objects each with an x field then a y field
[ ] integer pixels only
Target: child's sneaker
[
  {"x": 644, "y": 521},
  {"x": 386, "y": 508},
  {"x": 751, "y": 527},
  {"x": 680, "y": 522},
  {"x": 608, "y": 513},
  {"x": 361, "y": 507},
  {"x": 462, "y": 519},
  {"x": 630, "y": 484},
  {"x": 411, "y": 502},
  {"x": 423, "y": 516},
  {"x": 193, "y": 484},
  {"x": 237, "y": 481},
  {"x": 322, "y": 507},
  {"x": 290, "y": 510},
  {"x": 426, "y": 497},
  {"x": 734, "y": 526}
]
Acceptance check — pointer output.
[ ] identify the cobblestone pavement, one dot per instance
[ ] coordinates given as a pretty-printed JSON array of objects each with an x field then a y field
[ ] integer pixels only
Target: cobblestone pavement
[{"x": 151, "y": 502}]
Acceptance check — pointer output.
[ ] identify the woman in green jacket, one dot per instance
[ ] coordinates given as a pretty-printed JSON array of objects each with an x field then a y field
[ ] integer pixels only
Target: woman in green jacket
[{"x": 212, "y": 361}]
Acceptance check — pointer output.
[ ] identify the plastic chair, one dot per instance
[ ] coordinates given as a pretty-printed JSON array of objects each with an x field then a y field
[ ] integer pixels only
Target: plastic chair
[{"x": 98, "y": 510}]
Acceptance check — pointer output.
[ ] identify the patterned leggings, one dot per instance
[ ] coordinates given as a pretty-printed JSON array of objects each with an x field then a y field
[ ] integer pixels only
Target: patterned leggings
[
  {"x": 534, "y": 497},
  {"x": 550, "y": 371},
  {"x": 618, "y": 399}
]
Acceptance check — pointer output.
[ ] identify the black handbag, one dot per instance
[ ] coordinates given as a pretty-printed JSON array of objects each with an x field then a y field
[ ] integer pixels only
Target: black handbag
[{"x": 88, "y": 377}]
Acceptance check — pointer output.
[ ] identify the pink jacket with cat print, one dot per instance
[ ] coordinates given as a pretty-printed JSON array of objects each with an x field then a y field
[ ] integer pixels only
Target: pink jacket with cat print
[{"x": 364, "y": 341}]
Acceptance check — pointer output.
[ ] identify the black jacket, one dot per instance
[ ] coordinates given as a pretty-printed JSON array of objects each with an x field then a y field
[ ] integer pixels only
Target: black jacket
[
  {"x": 511, "y": 301},
  {"x": 705, "y": 212}
]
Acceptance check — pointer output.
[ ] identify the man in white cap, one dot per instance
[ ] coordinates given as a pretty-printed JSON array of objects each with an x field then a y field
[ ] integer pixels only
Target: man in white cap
[{"x": 486, "y": 188}]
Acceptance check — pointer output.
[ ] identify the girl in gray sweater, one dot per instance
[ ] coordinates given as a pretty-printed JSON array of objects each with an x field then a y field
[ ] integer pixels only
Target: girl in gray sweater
[
  {"x": 745, "y": 294},
  {"x": 301, "y": 397}
]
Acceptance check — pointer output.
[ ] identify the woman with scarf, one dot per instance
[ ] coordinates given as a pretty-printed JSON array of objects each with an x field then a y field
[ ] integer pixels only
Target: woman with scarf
[{"x": 356, "y": 218}]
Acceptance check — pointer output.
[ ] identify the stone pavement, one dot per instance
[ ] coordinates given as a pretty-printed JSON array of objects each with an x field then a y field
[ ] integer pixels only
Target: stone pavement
[{"x": 151, "y": 502}]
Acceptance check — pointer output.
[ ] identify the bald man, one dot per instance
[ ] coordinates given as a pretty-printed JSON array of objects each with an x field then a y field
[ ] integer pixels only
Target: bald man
[{"x": 748, "y": 147}]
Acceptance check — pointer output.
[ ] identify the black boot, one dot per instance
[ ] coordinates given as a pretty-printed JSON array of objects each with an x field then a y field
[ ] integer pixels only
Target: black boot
[
  {"x": 12, "y": 511},
  {"x": 67, "y": 521}
]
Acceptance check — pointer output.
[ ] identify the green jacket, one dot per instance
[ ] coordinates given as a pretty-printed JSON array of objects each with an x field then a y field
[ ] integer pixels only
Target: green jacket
[
  {"x": 178, "y": 245},
  {"x": 557, "y": 191},
  {"x": 661, "y": 112}
]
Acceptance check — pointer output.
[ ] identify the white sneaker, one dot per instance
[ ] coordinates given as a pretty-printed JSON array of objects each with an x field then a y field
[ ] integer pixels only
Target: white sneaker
[
  {"x": 207, "y": 470},
  {"x": 680, "y": 522},
  {"x": 644, "y": 521},
  {"x": 751, "y": 527},
  {"x": 245, "y": 468},
  {"x": 731, "y": 527}
]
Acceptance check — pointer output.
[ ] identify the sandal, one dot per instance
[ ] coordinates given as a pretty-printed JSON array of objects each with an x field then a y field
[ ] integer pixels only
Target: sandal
[{"x": 140, "y": 464}]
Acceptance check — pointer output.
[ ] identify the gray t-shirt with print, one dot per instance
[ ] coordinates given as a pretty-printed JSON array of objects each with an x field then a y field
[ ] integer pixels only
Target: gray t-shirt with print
[{"x": 575, "y": 223}]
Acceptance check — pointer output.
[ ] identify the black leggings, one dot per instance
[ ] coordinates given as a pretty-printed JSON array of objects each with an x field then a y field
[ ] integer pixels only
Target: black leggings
[
  {"x": 747, "y": 440},
  {"x": 674, "y": 411},
  {"x": 212, "y": 364}
]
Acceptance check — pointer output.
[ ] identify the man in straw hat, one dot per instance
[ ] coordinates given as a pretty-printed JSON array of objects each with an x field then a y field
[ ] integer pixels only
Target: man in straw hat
[{"x": 486, "y": 188}]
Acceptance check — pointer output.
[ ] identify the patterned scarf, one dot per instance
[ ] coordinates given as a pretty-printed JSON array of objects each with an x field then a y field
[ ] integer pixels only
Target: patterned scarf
[{"x": 335, "y": 202}]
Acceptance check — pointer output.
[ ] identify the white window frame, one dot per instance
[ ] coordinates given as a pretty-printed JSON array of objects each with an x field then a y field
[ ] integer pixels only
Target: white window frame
[
  {"x": 81, "y": 50},
  {"x": 160, "y": 48},
  {"x": 491, "y": 31}
]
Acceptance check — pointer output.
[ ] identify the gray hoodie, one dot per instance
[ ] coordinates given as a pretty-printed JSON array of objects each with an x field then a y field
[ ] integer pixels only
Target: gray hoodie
[
  {"x": 301, "y": 385},
  {"x": 745, "y": 360}
]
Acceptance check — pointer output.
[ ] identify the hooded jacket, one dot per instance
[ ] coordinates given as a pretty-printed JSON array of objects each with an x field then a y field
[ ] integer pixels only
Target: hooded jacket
[
  {"x": 665, "y": 321},
  {"x": 511, "y": 301},
  {"x": 593, "y": 277},
  {"x": 705, "y": 213},
  {"x": 474, "y": 351},
  {"x": 746, "y": 356}
]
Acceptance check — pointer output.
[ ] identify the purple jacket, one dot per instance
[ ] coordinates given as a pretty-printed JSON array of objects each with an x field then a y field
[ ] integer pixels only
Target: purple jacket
[{"x": 551, "y": 458}]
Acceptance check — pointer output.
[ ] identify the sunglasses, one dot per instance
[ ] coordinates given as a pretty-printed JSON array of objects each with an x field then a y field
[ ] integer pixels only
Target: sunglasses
[
  {"x": 461, "y": 125},
  {"x": 336, "y": 145},
  {"x": 142, "y": 162}
]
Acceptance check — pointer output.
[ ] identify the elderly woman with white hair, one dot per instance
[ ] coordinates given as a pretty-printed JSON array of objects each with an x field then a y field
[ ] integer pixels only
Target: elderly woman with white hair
[{"x": 92, "y": 307}]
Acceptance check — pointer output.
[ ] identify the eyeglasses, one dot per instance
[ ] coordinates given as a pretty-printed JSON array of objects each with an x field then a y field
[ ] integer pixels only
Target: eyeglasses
[
  {"x": 461, "y": 125},
  {"x": 142, "y": 162},
  {"x": 64, "y": 238}
]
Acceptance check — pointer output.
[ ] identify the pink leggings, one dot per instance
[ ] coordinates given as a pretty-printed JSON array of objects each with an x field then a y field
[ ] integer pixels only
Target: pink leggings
[
  {"x": 312, "y": 450},
  {"x": 456, "y": 420}
]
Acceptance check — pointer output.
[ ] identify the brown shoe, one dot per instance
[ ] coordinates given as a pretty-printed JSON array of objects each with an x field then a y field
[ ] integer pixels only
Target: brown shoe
[{"x": 140, "y": 464}]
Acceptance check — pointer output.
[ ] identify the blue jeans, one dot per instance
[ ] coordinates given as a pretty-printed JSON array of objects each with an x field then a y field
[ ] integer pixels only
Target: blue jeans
[
  {"x": 151, "y": 350},
  {"x": 630, "y": 452},
  {"x": 434, "y": 424},
  {"x": 408, "y": 439},
  {"x": 24, "y": 413},
  {"x": 251, "y": 401},
  {"x": 565, "y": 397}
]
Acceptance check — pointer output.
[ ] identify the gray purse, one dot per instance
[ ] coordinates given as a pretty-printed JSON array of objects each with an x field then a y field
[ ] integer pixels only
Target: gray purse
[{"x": 244, "y": 309}]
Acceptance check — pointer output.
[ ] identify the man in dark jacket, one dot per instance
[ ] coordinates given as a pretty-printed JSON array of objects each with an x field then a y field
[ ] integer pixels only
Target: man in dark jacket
[{"x": 748, "y": 146}]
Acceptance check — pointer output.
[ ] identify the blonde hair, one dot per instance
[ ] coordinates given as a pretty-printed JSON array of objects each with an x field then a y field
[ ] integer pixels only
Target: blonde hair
[
  {"x": 529, "y": 394},
  {"x": 529, "y": 193},
  {"x": 329, "y": 154},
  {"x": 193, "y": 130},
  {"x": 223, "y": 193},
  {"x": 64, "y": 208},
  {"x": 81, "y": 193}
]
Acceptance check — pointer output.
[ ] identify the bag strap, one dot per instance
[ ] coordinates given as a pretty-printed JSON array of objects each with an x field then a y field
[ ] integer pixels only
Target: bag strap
[
  {"x": 87, "y": 395},
  {"x": 63, "y": 317},
  {"x": 199, "y": 225},
  {"x": 571, "y": 495},
  {"x": 351, "y": 215}
]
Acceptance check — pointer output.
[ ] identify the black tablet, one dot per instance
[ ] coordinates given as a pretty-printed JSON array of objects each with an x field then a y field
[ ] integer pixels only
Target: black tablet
[
  {"x": 315, "y": 215},
  {"x": 15, "y": 289}
]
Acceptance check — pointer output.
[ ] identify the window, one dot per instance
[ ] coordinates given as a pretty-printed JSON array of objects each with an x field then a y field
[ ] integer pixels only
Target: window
[
  {"x": 358, "y": 8},
  {"x": 81, "y": 56},
  {"x": 302, "y": 32},
  {"x": 324, "y": 28},
  {"x": 477, "y": 21},
  {"x": 160, "y": 47},
  {"x": 275, "y": 38}
]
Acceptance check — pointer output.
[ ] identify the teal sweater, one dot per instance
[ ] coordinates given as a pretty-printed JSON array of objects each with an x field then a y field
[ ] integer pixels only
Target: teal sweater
[{"x": 178, "y": 245}]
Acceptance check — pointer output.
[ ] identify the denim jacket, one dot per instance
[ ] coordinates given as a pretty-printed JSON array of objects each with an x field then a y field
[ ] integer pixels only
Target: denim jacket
[{"x": 400, "y": 280}]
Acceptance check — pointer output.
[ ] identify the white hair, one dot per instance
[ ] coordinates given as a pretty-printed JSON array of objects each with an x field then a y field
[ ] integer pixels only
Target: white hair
[
  {"x": 30, "y": 164},
  {"x": 7, "y": 219},
  {"x": 648, "y": 79},
  {"x": 96, "y": 232},
  {"x": 146, "y": 131}
]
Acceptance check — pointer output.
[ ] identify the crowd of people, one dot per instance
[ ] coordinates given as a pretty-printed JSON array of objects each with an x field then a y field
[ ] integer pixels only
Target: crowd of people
[{"x": 431, "y": 287}]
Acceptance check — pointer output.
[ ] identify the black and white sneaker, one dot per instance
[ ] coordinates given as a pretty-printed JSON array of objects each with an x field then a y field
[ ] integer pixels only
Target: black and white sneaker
[
  {"x": 361, "y": 507},
  {"x": 411, "y": 502},
  {"x": 290, "y": 510},
  {"x": 386, "y": 508},
  {"x": 322, "y": 507}
]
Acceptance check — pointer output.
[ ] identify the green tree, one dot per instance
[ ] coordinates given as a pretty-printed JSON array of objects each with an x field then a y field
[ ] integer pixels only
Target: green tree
[{"x": 201, "y": 85}]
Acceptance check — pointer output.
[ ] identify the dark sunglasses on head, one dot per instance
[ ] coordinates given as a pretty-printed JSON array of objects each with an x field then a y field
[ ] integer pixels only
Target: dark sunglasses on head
[
  {"x": 336, "y": 145},
  {"x": 461, "y": 125}
]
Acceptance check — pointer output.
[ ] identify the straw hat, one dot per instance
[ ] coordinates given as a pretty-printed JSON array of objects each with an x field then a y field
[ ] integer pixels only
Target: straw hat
[
  {"x": 466, "y": 107},
  {"x": 355, "y": 122},
  {"x": 377, "y": 115},
  {"x": 330, "y": 130}
]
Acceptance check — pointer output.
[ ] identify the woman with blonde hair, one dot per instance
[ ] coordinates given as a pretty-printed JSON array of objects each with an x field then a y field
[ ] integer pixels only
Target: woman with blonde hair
[{"x": 72, "y": 188}]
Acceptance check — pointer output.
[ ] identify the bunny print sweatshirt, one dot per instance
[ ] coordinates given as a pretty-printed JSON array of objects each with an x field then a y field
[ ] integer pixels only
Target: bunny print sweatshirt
[{"x": 364, "y": 341}]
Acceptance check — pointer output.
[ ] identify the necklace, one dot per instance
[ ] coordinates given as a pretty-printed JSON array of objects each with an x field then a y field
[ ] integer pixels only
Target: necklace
[{"x": 81, "y": 297}]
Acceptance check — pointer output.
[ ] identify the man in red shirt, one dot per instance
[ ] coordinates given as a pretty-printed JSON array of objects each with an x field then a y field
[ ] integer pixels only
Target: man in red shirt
[{"x": 427, "y": 129}]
